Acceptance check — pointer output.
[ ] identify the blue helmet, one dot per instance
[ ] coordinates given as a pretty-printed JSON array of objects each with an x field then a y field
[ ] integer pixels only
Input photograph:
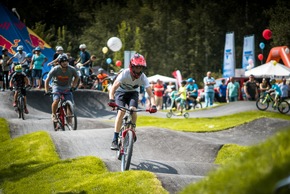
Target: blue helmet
[
  {"x": 29, "y": 55},
  {"x": 37, "y": 49},
  {"x": 189, "y": 80}
]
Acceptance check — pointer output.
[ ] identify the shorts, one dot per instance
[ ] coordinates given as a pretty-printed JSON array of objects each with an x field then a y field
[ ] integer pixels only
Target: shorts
[
  {"x": 67, "y": 96},
  {"x": 37, "y": 73},
  {"x": 127, "y": 98}
]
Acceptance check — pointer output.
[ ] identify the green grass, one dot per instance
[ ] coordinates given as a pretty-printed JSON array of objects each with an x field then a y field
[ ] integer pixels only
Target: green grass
[
  {"x": 254, "y": 170},
  {"x": 29, "y": 164},
  {"x": 207, "y": 124}
]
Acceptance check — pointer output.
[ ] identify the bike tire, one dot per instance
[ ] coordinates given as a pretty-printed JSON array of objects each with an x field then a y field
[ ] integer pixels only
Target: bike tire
[
  {"x": 70, "y": 120},
  {"x": 186, "y": 115},
  {"x": 128, "y": 150},
  {"x": 283, "y": 107},
  {"x": 21, "y": 108},
  {"x": 261, "y": 105},
  {"x": 169, "y": 115}
]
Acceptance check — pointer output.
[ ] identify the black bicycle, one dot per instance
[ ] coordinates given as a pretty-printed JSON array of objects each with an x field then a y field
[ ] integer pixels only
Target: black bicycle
[{"x": 20, "y": 106}]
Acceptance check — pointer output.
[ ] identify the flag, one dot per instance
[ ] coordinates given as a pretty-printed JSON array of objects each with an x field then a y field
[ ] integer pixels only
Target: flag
[
  {"x": 248, "y": 52},
  {"x": 177, "y": 75},
  {"x": 229, "y": 65}
]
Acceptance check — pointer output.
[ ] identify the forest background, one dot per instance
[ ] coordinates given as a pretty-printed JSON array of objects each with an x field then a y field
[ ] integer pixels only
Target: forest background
[{"x": 188, "y": 35}]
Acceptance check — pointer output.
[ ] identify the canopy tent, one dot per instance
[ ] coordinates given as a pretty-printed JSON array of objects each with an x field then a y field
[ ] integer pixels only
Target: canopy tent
[
  {"x": 162, "y": 78},
  {"x": 270, "y": 69}
]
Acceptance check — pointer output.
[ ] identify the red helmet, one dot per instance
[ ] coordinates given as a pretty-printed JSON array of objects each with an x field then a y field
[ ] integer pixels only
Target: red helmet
[{"x": 137, "y": 60}]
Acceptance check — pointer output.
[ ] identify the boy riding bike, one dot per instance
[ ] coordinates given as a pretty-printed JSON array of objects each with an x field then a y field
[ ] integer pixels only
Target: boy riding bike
[
  {"x": 275, "y": 92},
  {"x": 125, "y": 91},
  {"x": 65, "y": 79},
  {"x": 19, "y": 80}
]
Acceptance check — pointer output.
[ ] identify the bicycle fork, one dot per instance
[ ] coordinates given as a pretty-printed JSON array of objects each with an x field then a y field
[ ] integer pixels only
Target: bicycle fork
[{"x": 124, "y": 133}]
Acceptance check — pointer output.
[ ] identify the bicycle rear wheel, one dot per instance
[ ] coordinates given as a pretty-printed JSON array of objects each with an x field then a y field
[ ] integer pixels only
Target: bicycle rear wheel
[
  {"x": 262, "y": 103},
  {"x": 70, "y": 116},
  {"x": 283, "y": 107},
  {"x": 128, "y": 150}
]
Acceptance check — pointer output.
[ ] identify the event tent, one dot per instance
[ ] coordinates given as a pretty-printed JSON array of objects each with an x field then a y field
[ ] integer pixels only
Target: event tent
[
  {"x": 162, "y": 78},
  {"x": 270, "y": 69}
]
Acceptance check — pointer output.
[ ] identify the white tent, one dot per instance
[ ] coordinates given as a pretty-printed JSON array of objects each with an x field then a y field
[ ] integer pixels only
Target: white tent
[
  {"x": 162, "y": 78},
  {"x": 269, "y": 69}
]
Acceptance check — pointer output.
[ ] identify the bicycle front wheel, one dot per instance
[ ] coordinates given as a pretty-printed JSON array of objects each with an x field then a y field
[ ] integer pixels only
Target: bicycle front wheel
[
  {"x": 262, "y": 103},
  {"x": 21, "y": 108},
  {"x": 70, "y": 117},
  {"x": 283, "y": 107},
  {"x": 128, "y": 150}
]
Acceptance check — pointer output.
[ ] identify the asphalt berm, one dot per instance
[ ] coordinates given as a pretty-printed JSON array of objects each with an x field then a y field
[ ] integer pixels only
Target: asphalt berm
[{"x": 177, "y": 158}]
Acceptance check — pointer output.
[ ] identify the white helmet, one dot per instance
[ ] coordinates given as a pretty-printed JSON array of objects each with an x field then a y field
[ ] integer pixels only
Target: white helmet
[
  {"x": 20, "y": 48},
  {"x": 59, "y": 48},
  {"x": 83, "y": 46}
]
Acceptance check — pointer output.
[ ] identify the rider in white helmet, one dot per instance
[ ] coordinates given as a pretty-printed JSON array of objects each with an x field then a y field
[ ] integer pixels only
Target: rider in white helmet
[{"x": 20, "y": 56}]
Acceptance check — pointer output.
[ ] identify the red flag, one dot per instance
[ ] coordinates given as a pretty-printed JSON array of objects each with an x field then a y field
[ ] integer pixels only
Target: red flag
[{"x": 177, "y": 76}]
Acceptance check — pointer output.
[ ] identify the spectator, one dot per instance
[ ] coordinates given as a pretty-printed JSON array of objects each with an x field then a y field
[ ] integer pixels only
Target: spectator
[
  {"x": 5, "y": 68},
  {"x": 251, "y": 89},
  {"x": 192, "y": 92},
  {"x": 173, "y": 95},
  {"x": 84, "y": 59},
  {"x": 37, "y": 62},
  {"x": 59, "y": 53},
  {"x": 158, "y": 93},
  {"x": 284, "y": 89},
  {"x": 209, "y": 83},
  {"x": 20, "y": 56},
  {"x": 222, "y": 89},
  {"x": 233, "y": 90},
  {"x": 264, "y": 86},
  {"x": 102, "y": 80}
]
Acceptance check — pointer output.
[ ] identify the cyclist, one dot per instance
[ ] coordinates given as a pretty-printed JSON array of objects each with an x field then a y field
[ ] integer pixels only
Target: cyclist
[
  {"x": 181, "y": 97},
  {"x": 19, "y": 79},
  {"x": 275, "y": 91},
  {"x": 103, "y": 80},
  {"x": 20, "y": 56},
  {"x": 125, "y": 91},
  {"x": 65, "y": 79}
]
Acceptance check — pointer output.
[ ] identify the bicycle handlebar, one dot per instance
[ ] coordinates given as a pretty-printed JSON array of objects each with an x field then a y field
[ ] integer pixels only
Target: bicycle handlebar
[{"x": 118, "y": 107}]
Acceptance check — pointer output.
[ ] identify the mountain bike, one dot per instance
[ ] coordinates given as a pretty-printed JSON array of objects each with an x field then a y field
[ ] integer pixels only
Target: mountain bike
[
  {"x": 263, "y": 102},
  {"x": 127, "y": 137},
  {"x": 65, "y": 114},
  {"x": 20, "y": 102}
]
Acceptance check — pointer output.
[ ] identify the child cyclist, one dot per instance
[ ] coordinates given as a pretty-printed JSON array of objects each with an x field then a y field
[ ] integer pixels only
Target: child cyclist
[
  {"x": 181, "y": 97},
  {"x": 275, "y": 92},
  {"x": 125, "y": 91},
  {"x": 19, "y": 79}
]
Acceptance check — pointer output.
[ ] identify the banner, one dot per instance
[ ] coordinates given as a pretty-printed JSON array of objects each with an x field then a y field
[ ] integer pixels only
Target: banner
[
  {"x": 248, "y": 52},
  {"x": 229, "y": 56},
  {"x": 14, "y": 33},
  {"x": 177, "y": 75}
]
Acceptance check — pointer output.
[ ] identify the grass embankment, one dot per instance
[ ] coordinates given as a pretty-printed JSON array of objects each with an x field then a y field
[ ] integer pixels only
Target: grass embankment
[{"x": 29, "y": 164}]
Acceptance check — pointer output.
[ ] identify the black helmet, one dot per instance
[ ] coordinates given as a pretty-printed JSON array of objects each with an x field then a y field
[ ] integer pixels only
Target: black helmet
[{"x": 62, "y": 58}]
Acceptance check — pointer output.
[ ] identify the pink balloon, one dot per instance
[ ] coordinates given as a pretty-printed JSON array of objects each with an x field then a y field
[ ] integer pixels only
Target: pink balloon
[
  {"x": 260, "y": 57},
  {"x": 267, "y": 34},
  {"x": 118, "y": 63}
]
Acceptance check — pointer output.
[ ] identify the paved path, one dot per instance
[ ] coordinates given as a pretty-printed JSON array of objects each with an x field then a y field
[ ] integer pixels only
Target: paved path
[{"x": 177, "y": 158}]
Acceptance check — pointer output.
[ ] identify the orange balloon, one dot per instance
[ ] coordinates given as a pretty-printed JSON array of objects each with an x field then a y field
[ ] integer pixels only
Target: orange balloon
[{"x": 118, "y": 63}]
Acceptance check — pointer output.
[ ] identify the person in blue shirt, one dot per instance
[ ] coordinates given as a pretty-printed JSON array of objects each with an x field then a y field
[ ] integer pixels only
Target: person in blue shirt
[
  {"x": 192, "y": 92},
  {"x": 275, "y": 92},
  {"x": 223, "y": 91}
]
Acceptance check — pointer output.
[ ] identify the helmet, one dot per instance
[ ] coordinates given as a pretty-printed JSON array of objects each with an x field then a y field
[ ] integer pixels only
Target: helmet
[
  {"x": 272, "y": 81},
  {"x": 4, "y": 50},
  {"x": 18, "y": 68},
  {"x": 29, "y": 55},
  {"x": 137, "y": 60},
  {"x": 100, "y": 70},
  {"x": 37, "y": 49},
  {"x": 62, "y": 58},
  {"x": 83, "y": 46},
  {"x": 59, "y": 48},
  {"x": 20, "y": 48},
  {"x": 183, "y": 82},
  {"x": 189, "y": 80}
]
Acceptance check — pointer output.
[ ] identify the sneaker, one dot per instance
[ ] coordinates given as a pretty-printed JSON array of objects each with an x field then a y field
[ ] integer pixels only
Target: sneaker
[
  {"x": 26, "y": 111},
  {"x": 14, "y": 104},
  {"x": 53, "y": 118},
  {"x": 114, "y": 145}
]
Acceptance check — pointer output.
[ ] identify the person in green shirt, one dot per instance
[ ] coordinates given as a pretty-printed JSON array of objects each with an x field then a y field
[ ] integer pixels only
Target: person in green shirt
[{"x": 233, "y": 90}]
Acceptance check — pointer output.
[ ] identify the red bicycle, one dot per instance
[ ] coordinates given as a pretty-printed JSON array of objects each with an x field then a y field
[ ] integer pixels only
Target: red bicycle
[{"x": 127, "y": 137}]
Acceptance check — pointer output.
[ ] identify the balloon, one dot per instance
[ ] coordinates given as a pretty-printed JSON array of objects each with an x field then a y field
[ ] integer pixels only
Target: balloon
[
  {"x": 118, "y": 63},
  {"x": 262, "y": 45},
  {"x": 109, "y": 61},
  {"x": 114, "y": 43},
  {"x": 105, "y": 50},
  {"x": 260, "y": 57},
  {"x": 267, "y": 34},
  {"x": 274, "y": 62}
]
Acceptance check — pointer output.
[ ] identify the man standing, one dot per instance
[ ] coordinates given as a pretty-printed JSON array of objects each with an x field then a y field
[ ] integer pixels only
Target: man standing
[
  {"x": 158, "y": 92},
  {"x": 209, "y": 83},
  {"x": 251, "y": 89},
  {"x": 233, "y": 90}
]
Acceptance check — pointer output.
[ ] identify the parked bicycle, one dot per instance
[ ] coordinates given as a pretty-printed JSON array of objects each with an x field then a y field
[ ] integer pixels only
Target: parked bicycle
[
  {"x": 20, "y": 108},
  {"x": 263, "y": 103},
  {"x": 65, "y": 114},
  {"x": 127, "y": 137}
]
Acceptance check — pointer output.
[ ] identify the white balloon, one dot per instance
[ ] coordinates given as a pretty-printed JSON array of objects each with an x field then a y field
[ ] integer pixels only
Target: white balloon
[{"x": 114, "y": 43}]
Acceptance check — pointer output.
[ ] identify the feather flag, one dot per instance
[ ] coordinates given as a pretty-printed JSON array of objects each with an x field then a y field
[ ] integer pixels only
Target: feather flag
[{"x": 177, "y": 76}]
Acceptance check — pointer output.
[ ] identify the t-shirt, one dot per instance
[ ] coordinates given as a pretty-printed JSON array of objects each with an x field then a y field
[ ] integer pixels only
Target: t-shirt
[
  {"x": 251, "y": 88},
  {"x": 130, "y": 85},
  {"x": 206, "y": 87},
  {"x": 233, "y": 89},
  {"x": 38, "y": 61},
  {"x": 85, "y": 56},
  {"x": 284, "y": 89},
  {"x": 62, "y": 79},
  {"x": 20, "y": 57},
  {"x": 223, "y": 89},
  {"x": 18, "y": 79},
  {"x": 182, "y": 91},
  {"x": 157, "y": 91},
  {"x": 190, "y": 88},
  {"x": 277, "y": 89}
]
